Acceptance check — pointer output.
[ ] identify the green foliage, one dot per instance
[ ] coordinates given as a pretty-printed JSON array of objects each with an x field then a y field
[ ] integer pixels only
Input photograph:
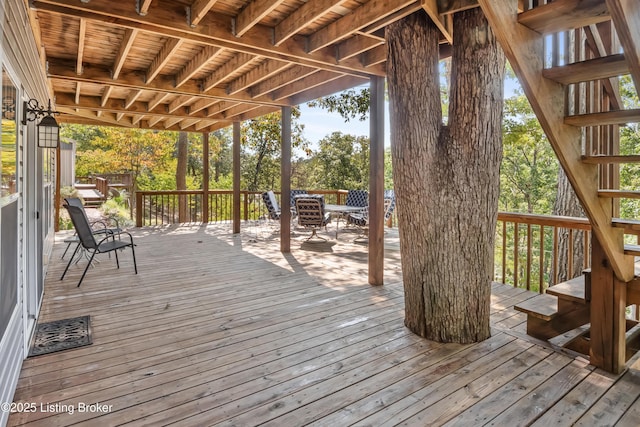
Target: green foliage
[
  {"x": 528, "y": 177},
  {"x": 629, "y": 144},
  {"x": 261, "y": 148},
  {"x": 342, "y": 162},
  {"x": 349, "y": 104},
  {"x": 116, "y": 209}
]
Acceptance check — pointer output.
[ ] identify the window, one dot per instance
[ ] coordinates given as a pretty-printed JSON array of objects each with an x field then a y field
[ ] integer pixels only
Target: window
[{"x": 8, "y": 149}]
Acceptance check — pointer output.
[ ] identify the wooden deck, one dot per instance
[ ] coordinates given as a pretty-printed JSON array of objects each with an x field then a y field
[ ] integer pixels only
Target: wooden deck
[{"x": 223, "y": 329}]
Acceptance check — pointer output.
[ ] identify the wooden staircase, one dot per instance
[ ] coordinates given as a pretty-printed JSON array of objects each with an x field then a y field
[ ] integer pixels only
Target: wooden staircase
[{"x": 568, "y": 55}]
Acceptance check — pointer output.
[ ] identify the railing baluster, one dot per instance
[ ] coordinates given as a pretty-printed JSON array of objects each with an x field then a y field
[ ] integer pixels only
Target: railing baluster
[
  {"x": 528, "y": 257},
  {"x": 541, "y": 268},
  {"x": 515, "y": 254},
  {"x": 570, "y": 255},
  {"x": 554, "y": 278},
  {"x": 504, "y": 251}
]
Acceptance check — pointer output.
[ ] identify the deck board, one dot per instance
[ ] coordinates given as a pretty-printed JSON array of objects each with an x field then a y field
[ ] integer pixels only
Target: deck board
[{"x": 218, "y": 329}]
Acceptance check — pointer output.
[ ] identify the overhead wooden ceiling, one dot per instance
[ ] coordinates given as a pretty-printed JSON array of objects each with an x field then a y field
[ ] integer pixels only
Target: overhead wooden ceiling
[{"x": 199, "y": 65}]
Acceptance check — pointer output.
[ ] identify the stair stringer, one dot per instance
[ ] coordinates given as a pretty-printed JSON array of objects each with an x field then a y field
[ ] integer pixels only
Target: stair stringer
[{"x": 525, "y": 50}]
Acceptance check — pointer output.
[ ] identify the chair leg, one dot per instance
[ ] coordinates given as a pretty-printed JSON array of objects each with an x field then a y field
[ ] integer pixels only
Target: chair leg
[
  {"x": 86, "y": 268},
  {"x": 133, "y": 252},
  {"x": 117, "y": 260},
  {"x": 70, "y": 261}
]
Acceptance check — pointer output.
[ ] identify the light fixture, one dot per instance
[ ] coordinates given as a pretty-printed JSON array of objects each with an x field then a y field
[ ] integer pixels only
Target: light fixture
[{"x": 48, "y": 129}]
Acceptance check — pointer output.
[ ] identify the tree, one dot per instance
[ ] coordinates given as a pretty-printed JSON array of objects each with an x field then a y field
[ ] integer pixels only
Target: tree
[
  {"x": 446, "y": 177},
  {"x": 261, "y": 141},
  {"x": 342, "y": 162}
]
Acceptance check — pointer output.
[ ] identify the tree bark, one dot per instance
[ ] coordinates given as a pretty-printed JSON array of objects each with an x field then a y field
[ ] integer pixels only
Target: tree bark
[
  {"x": 181, "y": 174},
  {"x": 567, "y": 204},
  {"x": 446, "y": 177}
]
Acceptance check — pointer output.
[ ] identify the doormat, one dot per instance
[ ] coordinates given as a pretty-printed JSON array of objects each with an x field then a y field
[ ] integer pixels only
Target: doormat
[{"x": 61, "y": 335}]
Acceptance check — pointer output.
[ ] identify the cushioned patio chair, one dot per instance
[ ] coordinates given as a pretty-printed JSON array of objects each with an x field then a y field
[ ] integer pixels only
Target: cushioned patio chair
[
  {"x": 357, "y": 198},
  {"x": 109, "y": 243},
  {"x": 361, "y": 220},
  {"x": 311, "y": 215},
  {"x": 272, "y": 205}
]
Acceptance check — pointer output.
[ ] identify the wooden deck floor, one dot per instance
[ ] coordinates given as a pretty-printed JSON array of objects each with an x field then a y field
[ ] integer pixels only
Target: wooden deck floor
[{"x": 219, "y": 329}]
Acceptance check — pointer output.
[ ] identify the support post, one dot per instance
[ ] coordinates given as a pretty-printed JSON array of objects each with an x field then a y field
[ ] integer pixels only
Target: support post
[
  {"x": 376, "y": 182},
  {"x": 608, "y": 305},
  {"x": 236, "y": 177},
  {"x": 285, "y": 182},
  {"x": 205, "y": 177},
  {"x": 56, "y": 203}
]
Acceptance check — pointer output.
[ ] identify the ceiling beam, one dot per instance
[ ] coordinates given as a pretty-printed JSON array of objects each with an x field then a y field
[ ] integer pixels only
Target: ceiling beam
[
  {"x": 157, "y": 100},
  {"x": 260, "y": 73},
  {"x": 201, "y": 104},
  {"x": 222, "y": 72},
  {"x": 198, "y": 10},
  {"x": 196, "y": 64},
  {"x": 104, "y": 120},
  {"x": 447, "y": 7},
  {"x": 281, "y": 79},
  {"x": 131, "y": 98},
  {"x": 105, "y": 95},
  {"x": 179, "y": 102},
  {"x": 59, "y": 69},
  {"x": 301, "y": 17},
  {"x": 125, "y": 47},
  {"x": 77, "y": 97},
  {"x": 214, "y": 31},
  {"x": 315, "y": 79},
  {"x": 161, "y": 59},
  {"x": 81, "y": 36},
  {"x": 626, "y": 18},
  {"x": 356, "y": 45},
  {"x": 252, "y": 14},
  {"x": 334, "y": 86},
  {"x": 365, "y": 15}
]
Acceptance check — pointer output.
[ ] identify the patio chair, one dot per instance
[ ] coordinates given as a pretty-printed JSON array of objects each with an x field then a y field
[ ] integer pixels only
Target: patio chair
[
  {"x": 107, "y": 244},
  {"x": 357, "y": 198},
  {"x": 272, "y": 205},
  {"x": 292, "y": 200},
  {"x": 390, "y": 195},
  {"x": 99, "y": 227},
  {"x": 361, "y": 220},
  {"x": 311, "y": 215}
]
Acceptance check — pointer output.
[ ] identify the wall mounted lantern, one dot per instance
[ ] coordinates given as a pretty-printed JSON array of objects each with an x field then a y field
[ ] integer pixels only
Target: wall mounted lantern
[{"x": 48, "y": 129}]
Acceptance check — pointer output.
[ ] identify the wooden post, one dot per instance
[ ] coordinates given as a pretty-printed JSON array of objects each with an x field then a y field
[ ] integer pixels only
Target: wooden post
[
  {"x": 376, "y": 182},
  {"x": 236, "y": 177},
  {"x": 608, "y": 304},
  {"x": 205, "y": 177},
  {"x": 285, "y": 182}
]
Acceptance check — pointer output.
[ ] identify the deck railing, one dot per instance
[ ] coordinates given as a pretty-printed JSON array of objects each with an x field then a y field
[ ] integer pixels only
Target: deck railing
[
  {"x": 528, "y": 252},
  {"x": 529, "y": 247}
]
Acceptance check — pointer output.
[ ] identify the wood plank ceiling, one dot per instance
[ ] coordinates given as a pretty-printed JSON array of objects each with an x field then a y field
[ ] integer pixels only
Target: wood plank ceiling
[{"x": 199, "y": 65}]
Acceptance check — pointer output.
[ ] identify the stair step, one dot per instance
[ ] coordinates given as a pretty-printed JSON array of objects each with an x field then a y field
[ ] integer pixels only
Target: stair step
[
  {"x": 632, "y": 250},
  {"x": 571, "y": 290},
  {"x": 627, "y": 224},
  {"x": 605, "y": 159},
  {"x": 562, "y": 15},
  {"x": 619, "y": 194},
  {"x": 616, "y": 117},
  {"x": 589, "y": 70},
  {"x": 542, "y": 306}
]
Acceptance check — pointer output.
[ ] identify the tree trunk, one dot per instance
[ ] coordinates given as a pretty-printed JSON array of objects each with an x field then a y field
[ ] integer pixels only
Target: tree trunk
[
  {"x": 446, "y": 177},
  {"x": 567, "y": 204},
  {"x": 181, "y": 174}
]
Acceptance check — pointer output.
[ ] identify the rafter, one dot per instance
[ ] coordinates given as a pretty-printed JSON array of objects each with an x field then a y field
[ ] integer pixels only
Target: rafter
[
  {"x": 133, "y": 96},
  {"x": 199, "y": 9},
  {"x": 356, "y": 45},
  {"x": 301, "y": 17},
  {"x": 196, "y": 64},
  {"x": 315, "y": 79},
  {"x": 258, "y": 74},
  {"x": 78, "y": 90},
  {"x": 81, "y": 36},
  {"x": 161, "y": 59},
  {"x": 136, "y": 118},
  {"x": 187, "y": 123},
  {"x": 333, "y": 86},
  {"x": 180, "y": 101},
  {"x": 157, "y": 100},
  {"x": 105, "y": 120},
  {"x": 125, "y": 47},
  {"x": 105, "y": 95},
  {"x": 142, "y": 6},
  {"x": 431, "y": 7},
  {"x": 201, "y": 104},
  {"x": 171, "y": 121},
  {"x": 365, "y": 15},
  {"x": 155, "y": 120},
  {"x": 223, "y": 71},
  {"x": 119, "y": 116},
  {"x": 281, "y": 79},
  {"x": 452, "y": 6},
  {"x": 60, "y": 70},
  {"x": 252, "y": 14},
  {"x": 214, "y": 31}
]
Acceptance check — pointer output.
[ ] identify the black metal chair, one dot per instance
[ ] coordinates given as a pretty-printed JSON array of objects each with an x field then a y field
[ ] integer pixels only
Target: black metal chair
[
  {"x": 88, "y": 241},
  {"x": 311, "y": 215},
  {"x": 270, "y": 201}
]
